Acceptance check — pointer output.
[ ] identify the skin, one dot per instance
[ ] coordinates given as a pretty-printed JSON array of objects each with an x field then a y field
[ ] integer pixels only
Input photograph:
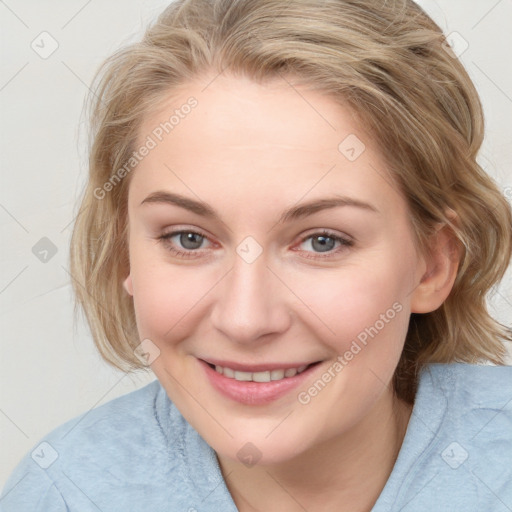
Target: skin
[{"x": 251, "y": 151}]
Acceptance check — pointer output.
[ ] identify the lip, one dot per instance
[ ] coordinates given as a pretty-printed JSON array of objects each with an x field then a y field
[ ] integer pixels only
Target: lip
[{"x": 255, "y": 393}]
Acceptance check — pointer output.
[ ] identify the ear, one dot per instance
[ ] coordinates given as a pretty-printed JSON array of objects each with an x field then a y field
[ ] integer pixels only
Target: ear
[
  {"x": 442, "y": 262},
  {"x": 127, "y": 284}
]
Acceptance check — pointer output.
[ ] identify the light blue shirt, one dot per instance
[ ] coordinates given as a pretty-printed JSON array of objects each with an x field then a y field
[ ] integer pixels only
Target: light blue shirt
[{"x": 137, "y": 453}]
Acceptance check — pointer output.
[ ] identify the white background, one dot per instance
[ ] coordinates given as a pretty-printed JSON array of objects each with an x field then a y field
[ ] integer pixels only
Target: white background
[{"x": 49, "y": 370}]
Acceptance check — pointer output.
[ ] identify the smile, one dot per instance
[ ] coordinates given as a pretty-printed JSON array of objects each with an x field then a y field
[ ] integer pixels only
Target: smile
[{"x": 256, "y": 384}]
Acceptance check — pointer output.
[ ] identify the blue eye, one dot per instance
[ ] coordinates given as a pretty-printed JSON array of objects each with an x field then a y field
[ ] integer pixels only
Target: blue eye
[
  {"x": 189, "y": 240},
  {"x": 325, "y": 241}
]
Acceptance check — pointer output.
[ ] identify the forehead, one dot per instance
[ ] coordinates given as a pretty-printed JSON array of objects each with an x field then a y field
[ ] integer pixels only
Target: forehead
[
  {"x": 244, "y": 114},
  {"x": 272, "y": 144}
]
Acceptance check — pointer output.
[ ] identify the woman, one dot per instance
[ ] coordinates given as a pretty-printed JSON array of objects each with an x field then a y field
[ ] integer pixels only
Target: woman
[{"x": 286, "y": 222}]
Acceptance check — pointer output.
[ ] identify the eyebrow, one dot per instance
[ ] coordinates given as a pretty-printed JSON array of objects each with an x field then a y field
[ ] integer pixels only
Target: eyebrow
[{"x": 294, "y": 213}]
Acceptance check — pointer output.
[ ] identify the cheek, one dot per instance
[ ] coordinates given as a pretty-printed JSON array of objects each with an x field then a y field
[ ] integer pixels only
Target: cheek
[
  {"x": 168, "y": 298},
  {"x": 356, "y": 299}
]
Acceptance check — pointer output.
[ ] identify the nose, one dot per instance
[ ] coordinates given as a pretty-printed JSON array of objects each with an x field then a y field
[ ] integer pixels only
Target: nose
[{"x": 251, "y": 303}]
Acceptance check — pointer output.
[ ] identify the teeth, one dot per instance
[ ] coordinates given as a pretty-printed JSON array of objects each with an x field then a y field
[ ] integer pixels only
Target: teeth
[
  {"x": 245, "y": 376},
  {"x": 265, "y": 376},
  {"x": 261, "y": 377},
  {"x": 277, "y": 374},
  {"x": 290, "y": 372},
  {"x": 227, "y": 372}
]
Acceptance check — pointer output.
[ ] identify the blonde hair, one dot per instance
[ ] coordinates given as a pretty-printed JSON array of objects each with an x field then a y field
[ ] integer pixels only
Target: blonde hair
[{"x": 389, "y": 62}]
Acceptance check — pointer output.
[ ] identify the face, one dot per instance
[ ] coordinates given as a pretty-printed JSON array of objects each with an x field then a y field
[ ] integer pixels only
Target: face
[{"x": 264, "y": 235}]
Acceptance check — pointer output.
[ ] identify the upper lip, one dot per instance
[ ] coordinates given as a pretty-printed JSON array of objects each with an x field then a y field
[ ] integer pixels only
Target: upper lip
[{"x": 256, "y": 367}]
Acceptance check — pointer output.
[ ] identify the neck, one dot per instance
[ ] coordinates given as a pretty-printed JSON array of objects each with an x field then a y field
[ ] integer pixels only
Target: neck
[{"x": 345, "y": 473}]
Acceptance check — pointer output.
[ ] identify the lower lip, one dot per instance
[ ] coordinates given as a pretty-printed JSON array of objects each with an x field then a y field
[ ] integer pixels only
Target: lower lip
[{"x": 255, "y": 393}]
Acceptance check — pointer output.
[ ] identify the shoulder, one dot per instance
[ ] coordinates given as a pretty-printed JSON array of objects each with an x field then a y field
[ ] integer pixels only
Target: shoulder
[
  {"x": 465, "y": 394},
  {"x": 476, "y": 402},
  {"x": 116, "y": 445},
  {"x": 111, "y": 426},
  {"x": 484, "y": 384},
  {"x": 458, "y": 448}
]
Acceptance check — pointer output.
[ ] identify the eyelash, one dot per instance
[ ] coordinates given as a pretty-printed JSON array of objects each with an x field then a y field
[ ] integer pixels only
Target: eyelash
[{"x": 345, "y": 243}]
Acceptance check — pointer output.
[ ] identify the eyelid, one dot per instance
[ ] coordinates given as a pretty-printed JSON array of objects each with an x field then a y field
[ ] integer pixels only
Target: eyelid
[
  {"x": 187, "y": 229},
  {"x": 327, "y": 232}
]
